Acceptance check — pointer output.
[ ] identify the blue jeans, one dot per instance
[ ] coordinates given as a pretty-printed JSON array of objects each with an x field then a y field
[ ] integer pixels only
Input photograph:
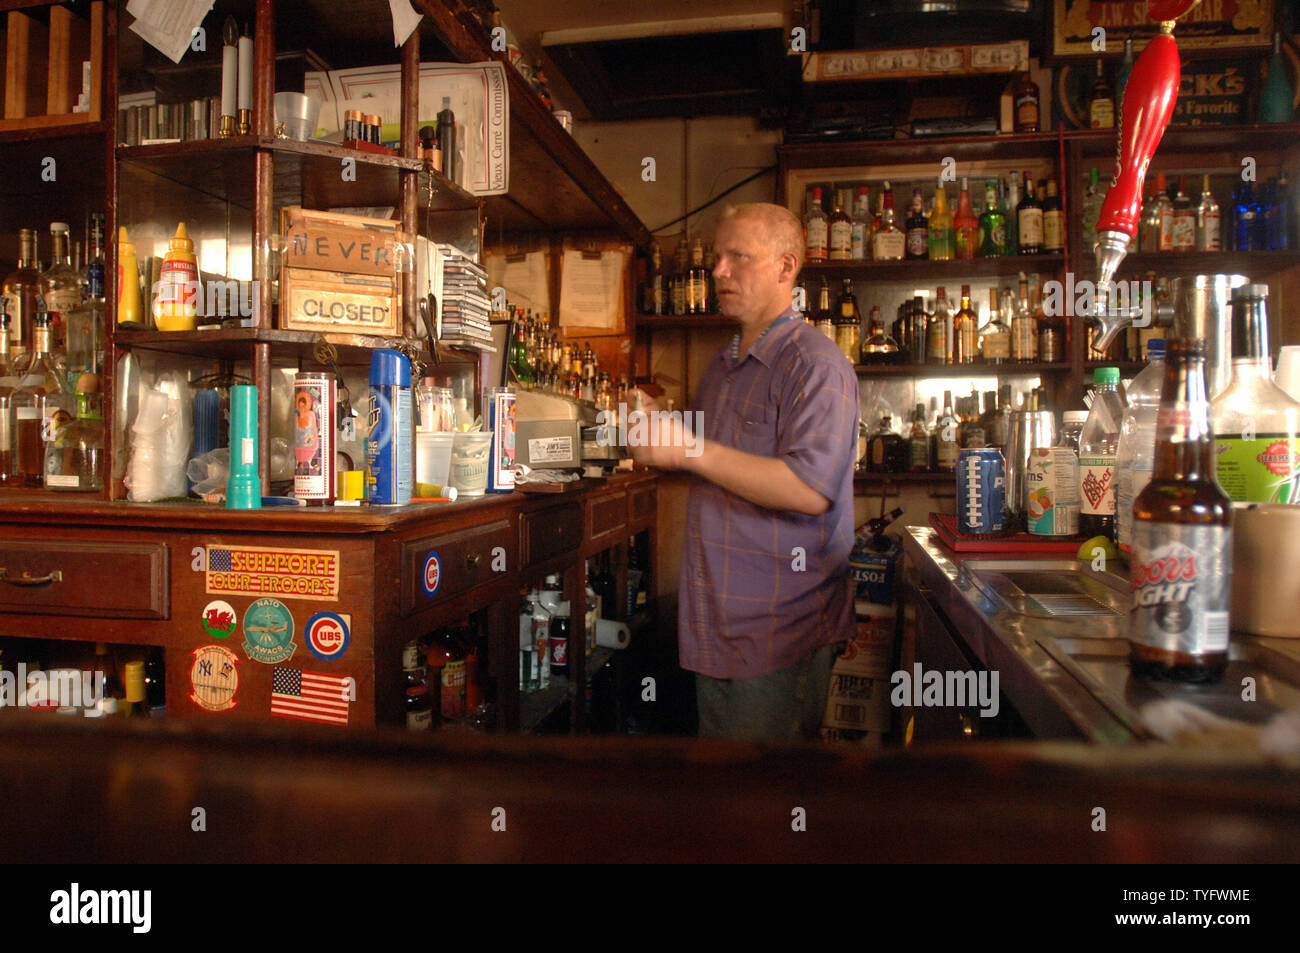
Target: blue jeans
[{"x": 786, "y": 705}]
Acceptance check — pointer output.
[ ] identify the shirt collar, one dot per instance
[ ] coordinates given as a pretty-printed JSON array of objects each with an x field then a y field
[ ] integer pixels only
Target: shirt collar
[{"x": 758, "y": 350}]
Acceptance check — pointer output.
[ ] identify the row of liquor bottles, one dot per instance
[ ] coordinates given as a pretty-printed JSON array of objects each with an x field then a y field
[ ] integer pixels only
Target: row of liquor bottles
[
  {"x": 539, "y": 359},
  {"x": 685, "y": 289},
  {"x": 72, "y": 678},
  {"x": 930, "y": 441},
  {"x": 1261, "y": 218},
  {"x": 68, "y": 288},
  {"x": 1010, "y": 223}
]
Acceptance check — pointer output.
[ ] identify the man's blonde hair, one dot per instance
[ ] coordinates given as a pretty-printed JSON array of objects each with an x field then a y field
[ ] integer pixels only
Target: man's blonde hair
[{"x": 782, "y": 232}]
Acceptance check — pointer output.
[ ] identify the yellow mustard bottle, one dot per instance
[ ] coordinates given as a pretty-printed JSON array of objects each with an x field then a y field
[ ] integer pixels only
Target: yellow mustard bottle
[
  {"x": 176, "y": 300},
  {"x": 128, "y": 283}
]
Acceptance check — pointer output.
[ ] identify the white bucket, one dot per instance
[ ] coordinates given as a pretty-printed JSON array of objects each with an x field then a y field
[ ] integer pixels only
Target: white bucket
[{"x": 470, "y": 454}]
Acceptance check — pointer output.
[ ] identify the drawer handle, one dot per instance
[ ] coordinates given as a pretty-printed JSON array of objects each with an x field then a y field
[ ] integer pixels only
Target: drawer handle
[
  {"x": 472, "y": 560},
  {"x": 27, "y": 579}
]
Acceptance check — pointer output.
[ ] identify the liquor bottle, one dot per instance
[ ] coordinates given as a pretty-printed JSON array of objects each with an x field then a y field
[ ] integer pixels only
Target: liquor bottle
[
  {"x": 1277, "y": 213},
  {"x": 965, "y": 344},
  {"x": 939, "y": 332},
  {"x": 519, "y": 363},
  {"x": 1148, "y": 235},
  {"x": 1182, "y": 220},
  {"x": 1053, "y": 221},
  {"x": 1029, "y": 221},
  {"x": 60, "y": 286},
  {"x": 1246, "y": 233},
  {"x": 652, "y": 301},
  {"x": 918, "y": 321},
  {"x": 1025, "y": 97},
  {"x": 155, "y": 683},
  {"x": 1101, "y": 102},
  {"x": 136, "y": 701},
  {"x": 1091, "y": 209},
  {"x": 941, "y": 233},
  {"x": 677, "y": 283},
  {"x": 1052, "y": 330},
  {"x": 74, "y": 458},
  {"x": 1012, "y": 192},
  {"x": 848, "y": 323},
  {"x": 888, "y": 243},
  {"x": 825, "y": 320},
  {"x": 995, "y": 336},
  {"x": 1164, "y": 214},
  {"x": 1098, "y": 445},
  {"x": 898, "y": 330},
  {"x": 710, "y": 287},
  {"x": 1024, "y": 333},
  {"x": 21, "y": 294},
  {"x": 9, "y": 382},
  {"x": 879, "y": 347},
  {"x": 992, "y": 224},
  {"x": 918, "y": 229},
  {"x": 918, "y": 442},
  {"x": 42, "y": 404},
  {"x": 1178, "y": 627},
  {"x": 971, "y": 435},
  {"x": 697, "y": 282},
  {"x": 816, "y": 229},
  {"x": 1122, "y": 74},
  {"x": 1276, "y": 99},
  {"x": 887, "y": 451},
  {"x": 840, "y": 229},
  {"x": 965, "y": 227},
  {"x": 860, "y": 236},
  {"x": 528, "y": 661},
  {"x": 1209, "y": 227},
  {"x": 998, "y": 429},
  {"x": 1256, "y": 423},
  {"x": 94, "y": 280},
  {"x": 447, "y": 659}
]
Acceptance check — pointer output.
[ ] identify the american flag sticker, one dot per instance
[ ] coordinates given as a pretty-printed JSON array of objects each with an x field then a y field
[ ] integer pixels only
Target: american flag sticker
[
  {"x": 280, "y": 573},
  {"x": 310, "y": 696}
]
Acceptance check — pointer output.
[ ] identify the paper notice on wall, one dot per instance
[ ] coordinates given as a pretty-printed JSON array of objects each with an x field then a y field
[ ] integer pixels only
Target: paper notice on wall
[
  {"x": 170, "y": 25},
  {"x": 476, "y": 94},
  {"x": 523, "y": 277},
  {"x": 591, "y": 289}
]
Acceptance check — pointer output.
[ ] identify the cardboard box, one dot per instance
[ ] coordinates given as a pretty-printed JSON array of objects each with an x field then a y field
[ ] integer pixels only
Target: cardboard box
[
  {"x": 858, "y": 698},
  {"x": 313, "y": 300}
]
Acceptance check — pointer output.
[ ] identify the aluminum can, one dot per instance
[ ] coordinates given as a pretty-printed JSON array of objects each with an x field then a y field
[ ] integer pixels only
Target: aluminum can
[
  {"x": 981, "y": 492},
  {"x": 390, "y": 435},
  {"x": 315, "y": 424},
  {"x": 501, "y": 418}
]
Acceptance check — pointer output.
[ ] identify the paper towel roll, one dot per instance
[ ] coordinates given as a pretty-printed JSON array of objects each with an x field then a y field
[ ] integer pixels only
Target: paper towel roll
[{"x": 611, "y": 634}]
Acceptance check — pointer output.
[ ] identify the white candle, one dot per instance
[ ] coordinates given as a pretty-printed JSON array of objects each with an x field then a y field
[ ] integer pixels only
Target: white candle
[
  {"x": 245, "y": 72},
  {"x": 228, "y": 76}
]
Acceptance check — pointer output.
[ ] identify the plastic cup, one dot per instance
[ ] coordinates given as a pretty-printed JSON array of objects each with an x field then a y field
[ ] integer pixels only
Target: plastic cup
[
  {"x": 433, "y": 457},
  {"x": 470, "y": 454}
]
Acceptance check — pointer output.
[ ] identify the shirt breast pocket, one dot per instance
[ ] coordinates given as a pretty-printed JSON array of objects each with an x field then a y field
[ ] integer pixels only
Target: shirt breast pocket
[{"x": 756, "y": 432}]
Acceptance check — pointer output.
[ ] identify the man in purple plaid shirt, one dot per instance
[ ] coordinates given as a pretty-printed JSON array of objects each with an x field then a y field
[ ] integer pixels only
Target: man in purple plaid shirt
[{"x": 765, "y": 587}]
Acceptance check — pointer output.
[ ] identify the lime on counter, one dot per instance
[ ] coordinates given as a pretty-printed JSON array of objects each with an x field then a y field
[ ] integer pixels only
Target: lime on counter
[{"x": 1087, "y": 552}]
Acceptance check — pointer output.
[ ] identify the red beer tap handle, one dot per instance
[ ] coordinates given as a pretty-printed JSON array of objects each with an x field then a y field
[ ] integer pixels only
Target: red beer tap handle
[{"x": 1148, "y": 103}]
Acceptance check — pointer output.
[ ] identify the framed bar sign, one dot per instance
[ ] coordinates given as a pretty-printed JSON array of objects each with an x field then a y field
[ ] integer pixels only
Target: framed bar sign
[{"x": 1227, "y": 25}]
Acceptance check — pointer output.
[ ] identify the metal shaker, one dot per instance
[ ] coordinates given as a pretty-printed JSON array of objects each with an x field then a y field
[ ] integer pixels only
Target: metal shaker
[{"x": 1029, "y": 429}]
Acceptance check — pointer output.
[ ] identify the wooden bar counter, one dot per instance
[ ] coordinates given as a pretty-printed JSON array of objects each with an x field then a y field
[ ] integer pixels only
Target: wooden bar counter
[{"x": 150, "y": 574}]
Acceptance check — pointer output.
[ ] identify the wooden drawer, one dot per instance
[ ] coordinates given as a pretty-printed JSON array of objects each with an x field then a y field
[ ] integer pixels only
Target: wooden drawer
[
  {"x": 551, "y": 532},
  {"x": 641, "y": 506},
  {"x": 606, "y": 518},
  {"x": 463, "y": 560},
  {"x": 84, "y": 578}
]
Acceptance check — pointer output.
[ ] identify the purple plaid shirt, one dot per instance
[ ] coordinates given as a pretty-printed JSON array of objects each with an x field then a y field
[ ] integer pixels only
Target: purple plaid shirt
[{"x": 761, "y": 588}]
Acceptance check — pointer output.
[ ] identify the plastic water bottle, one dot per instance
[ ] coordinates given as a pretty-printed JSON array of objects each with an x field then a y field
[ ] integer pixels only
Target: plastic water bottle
[
  {"x": 1097, "y": 446},
  {"x": 1137, "y": 440}
]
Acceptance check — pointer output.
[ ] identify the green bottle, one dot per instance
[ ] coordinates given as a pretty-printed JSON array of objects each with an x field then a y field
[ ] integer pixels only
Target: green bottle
[
  {"x": 993, "y": 224},
  {"x": 1276, "y": 100}
]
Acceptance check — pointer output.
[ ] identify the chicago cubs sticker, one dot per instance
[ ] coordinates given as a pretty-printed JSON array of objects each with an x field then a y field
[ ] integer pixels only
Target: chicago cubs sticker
[
  {"x": 214, "y": 678},
  {"x": 432, "y": 574},
  {"x": 268, "y": 632},
  {"x": 327, "y": 635},
  {"x": 219, "y": 619}
]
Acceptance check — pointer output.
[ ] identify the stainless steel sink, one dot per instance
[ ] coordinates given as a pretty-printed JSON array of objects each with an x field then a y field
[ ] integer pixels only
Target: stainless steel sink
[{"x": 1049, "y": 588}]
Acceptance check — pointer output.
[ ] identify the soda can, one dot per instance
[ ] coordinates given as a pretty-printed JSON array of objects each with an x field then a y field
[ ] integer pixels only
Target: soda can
[
  {"x": 501, "y": 418},
  {"x": 1052, "y": 491},
  {"x": 315, "y": 424},
  {"x": 981, "y": 492}
]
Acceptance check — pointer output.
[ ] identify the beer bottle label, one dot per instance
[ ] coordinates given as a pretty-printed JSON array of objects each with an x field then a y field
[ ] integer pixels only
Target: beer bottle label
[
  {"x": 1180, "y": 576},
  {"x": 1263, "y": 470},
  {"x": 1097, "y": 484}
]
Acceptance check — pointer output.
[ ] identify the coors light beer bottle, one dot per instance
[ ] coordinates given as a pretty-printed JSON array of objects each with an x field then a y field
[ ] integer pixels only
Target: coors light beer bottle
[{"x": 1182, "y": 537}]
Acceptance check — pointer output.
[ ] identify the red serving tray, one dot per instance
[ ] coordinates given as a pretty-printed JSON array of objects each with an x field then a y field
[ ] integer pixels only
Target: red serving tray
[{"x": 946, "y": 526}]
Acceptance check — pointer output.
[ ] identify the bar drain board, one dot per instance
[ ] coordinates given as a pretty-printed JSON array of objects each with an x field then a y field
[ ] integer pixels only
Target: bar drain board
[{"x": 1069, "y": 604}]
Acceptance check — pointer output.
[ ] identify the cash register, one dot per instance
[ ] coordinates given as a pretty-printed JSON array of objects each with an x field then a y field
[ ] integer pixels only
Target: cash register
[{"x": 553, "y": 432}]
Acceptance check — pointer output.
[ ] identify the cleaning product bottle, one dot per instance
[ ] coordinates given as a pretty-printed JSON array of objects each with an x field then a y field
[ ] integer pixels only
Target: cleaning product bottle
[
  {"x": 176, "y": 300},
  {"x": 129, "y": 314}
]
